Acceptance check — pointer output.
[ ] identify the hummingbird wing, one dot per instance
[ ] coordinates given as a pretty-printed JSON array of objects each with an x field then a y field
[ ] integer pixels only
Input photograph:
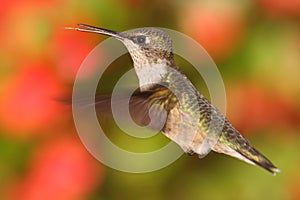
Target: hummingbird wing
[{"x": 142, "y": 106}]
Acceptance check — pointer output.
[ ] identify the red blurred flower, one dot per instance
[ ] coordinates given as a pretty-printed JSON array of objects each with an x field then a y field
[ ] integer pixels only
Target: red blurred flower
[
  {"x": 27, "y": 100},
  {"x": 287, "y": 8},
  {"x": 70, "y": 48},
  {"x": 61, "y": 170},
  {"x": 251, "y": 107},
  {"x": 27, "y": 29},
  {"x": 217, "y": 29},
  {"x": 6, "y": 6},
  {"x": 294, "y": 187}
]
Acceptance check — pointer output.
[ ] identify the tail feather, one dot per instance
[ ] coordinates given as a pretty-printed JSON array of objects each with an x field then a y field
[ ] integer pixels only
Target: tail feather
[
  {"x": 259, "y": 159},
  {"x": 239, "y": 147}
]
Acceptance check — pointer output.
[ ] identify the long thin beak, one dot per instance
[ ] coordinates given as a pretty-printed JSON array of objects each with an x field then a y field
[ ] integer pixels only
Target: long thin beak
[{"x": 93, "y": 29}]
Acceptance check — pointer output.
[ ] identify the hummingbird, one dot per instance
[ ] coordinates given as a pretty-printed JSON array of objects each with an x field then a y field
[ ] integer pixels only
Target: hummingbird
[{"x": 189, "y": 119}]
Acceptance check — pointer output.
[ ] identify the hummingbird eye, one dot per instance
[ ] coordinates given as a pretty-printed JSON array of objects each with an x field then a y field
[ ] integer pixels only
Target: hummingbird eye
[{"x": 141, "y": 39}]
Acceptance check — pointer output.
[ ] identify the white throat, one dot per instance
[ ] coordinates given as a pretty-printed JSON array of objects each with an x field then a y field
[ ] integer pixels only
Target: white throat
[{"x": 150, "y": 74}]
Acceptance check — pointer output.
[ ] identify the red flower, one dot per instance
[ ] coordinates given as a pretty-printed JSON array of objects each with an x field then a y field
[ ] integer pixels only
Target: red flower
[
  {"x": 251, "y": 107},
  {"x": 218, "y": 30},
  {"x": 70, "y": 48},
  {"x": 27, "y": 100},
  {"x": 61, "y": 170},
  {"x": 287, "y": 8}
]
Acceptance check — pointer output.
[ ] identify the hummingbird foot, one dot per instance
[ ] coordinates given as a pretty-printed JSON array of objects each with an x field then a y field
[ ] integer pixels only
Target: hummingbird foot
[{"x": 190, "y": 152}]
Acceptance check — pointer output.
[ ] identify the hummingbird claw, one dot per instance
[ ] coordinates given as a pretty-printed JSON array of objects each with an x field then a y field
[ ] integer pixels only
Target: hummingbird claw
[{"x": 190, "y": 152}]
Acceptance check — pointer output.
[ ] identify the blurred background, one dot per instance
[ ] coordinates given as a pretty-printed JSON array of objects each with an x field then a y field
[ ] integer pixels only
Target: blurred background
[{"x": 256, "y": 45}]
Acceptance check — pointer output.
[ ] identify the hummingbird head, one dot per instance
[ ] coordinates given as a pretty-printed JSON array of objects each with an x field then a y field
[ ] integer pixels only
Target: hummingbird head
[
  {"x": 146, "y": 45},
  {"x": 150, "y": 49}
]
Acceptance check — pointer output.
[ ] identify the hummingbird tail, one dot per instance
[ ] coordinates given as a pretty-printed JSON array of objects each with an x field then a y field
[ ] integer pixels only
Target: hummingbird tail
[
  {"x": 253, "y": 156},
  {"x": 249, "y": 155},
  {"x": 234, "y": 144}
]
